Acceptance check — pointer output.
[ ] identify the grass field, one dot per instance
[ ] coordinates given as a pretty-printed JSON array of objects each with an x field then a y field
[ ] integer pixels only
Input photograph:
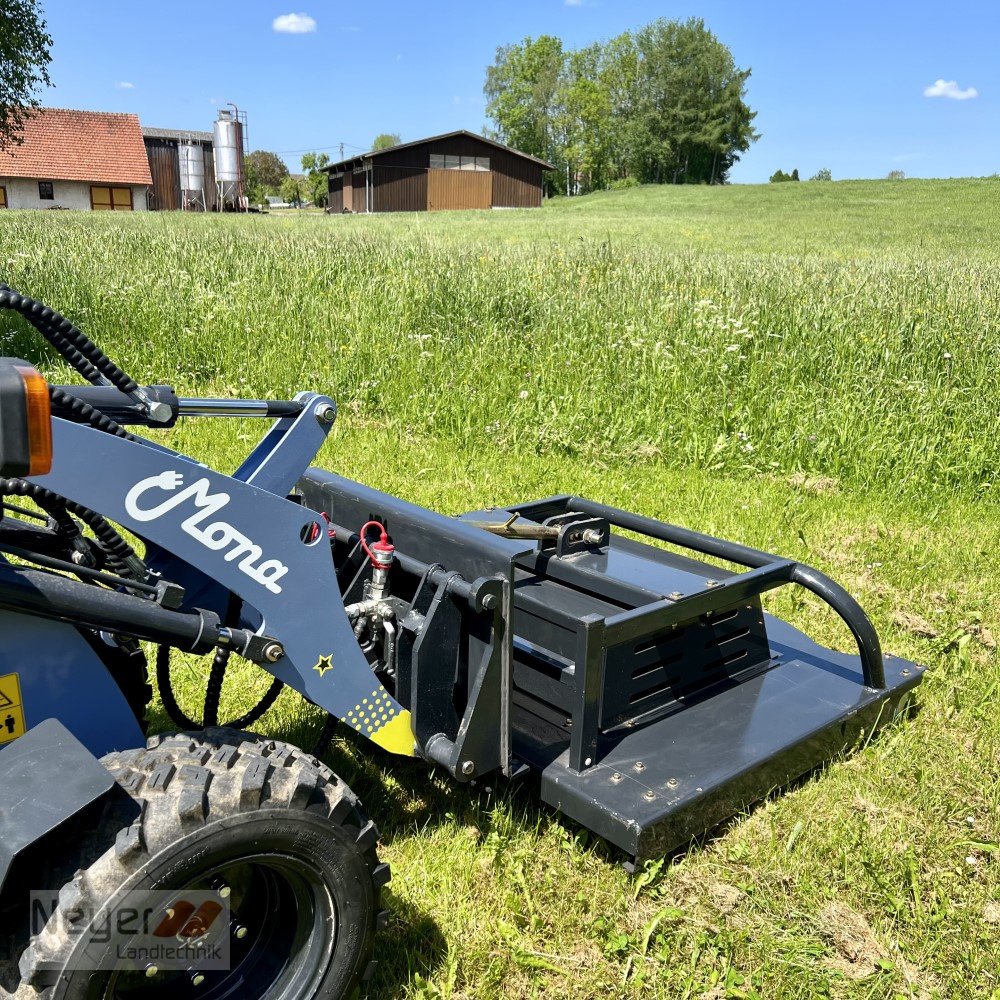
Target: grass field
[{"x": 811, "y": 369}]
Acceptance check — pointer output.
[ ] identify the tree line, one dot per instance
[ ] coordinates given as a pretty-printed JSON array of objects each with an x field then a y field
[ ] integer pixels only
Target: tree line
[
  {"x": 267, "y": 174},
  {"x": 662, "y": 105}
]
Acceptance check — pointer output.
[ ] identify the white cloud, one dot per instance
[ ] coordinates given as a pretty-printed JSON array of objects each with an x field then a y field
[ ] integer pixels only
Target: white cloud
[
  {"x": 294, "y": 24},
  {"x": 125, "y": 85},
  {"x": 951, "y": 90}
]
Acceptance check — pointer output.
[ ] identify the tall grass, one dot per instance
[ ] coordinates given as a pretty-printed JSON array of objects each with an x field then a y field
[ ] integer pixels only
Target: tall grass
[{"x": 881, "y": 374}]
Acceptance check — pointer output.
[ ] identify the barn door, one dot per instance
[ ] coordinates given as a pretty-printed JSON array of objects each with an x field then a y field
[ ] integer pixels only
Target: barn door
[{"x": 459, "y": 189}]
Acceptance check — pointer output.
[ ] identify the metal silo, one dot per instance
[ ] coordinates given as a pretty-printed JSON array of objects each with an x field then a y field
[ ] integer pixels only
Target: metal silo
[
  {"x": 191, "y": 157},
  {"x": 227, "y": 146}
]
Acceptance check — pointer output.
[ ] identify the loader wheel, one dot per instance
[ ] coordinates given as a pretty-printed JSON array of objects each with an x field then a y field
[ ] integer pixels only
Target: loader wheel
[{"x": 260, "y": 823}]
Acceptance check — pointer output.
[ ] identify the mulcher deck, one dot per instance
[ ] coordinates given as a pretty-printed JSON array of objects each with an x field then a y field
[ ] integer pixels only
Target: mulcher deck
[
  {"x": 658, "y": 786},
  {"x": 641, "y": 681}
]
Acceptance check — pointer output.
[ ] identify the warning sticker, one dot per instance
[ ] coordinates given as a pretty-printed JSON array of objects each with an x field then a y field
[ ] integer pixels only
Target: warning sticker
[{"x": 11, "y": 710}]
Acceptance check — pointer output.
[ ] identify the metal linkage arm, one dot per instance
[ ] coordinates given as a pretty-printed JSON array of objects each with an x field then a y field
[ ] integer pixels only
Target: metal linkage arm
[{"x": 125, "y": 409}]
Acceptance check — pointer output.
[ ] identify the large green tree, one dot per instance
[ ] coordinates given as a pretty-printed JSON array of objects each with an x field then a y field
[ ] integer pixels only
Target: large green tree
[
  {"x": 665, "y": 104},
  {"x": 691, "y": 121},
  {"x": 24, "y": 60},
  {"x": 523, "y": 89},
  {"x": 584, "y": 120},
  {"x": 317, "y": 182},
  {"x": 267, "y": 169},
  {"x": 386, "y": 140}
]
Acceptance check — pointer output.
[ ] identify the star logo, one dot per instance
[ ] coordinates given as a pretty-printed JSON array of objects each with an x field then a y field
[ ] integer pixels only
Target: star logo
[{"x": 323, "y": 664}]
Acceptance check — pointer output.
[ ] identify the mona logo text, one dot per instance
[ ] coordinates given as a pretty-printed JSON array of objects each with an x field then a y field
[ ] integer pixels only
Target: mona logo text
[{"x": 217, "y": 535}]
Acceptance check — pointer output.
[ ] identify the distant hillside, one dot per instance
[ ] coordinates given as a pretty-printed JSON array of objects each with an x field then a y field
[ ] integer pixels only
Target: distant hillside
[
  {"x": 925, "y": 218},
  {"x": 911, "y": 219}
]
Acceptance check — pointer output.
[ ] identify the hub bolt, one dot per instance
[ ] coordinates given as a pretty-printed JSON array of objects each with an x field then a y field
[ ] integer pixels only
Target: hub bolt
[
  {"x": 649, "y": 796},
  {"x": 325, "y": 413}
]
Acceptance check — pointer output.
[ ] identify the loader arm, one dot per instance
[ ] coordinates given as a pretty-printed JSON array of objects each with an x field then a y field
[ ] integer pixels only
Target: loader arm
[{"x": 244, "y": 535}]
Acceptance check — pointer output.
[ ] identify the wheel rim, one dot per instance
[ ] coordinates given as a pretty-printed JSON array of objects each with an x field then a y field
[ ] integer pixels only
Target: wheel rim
[{"x": 282, "y": 932}]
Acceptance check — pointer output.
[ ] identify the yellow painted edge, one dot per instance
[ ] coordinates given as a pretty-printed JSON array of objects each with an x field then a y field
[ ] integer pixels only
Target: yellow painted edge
[{"x": 396, "y": 736}]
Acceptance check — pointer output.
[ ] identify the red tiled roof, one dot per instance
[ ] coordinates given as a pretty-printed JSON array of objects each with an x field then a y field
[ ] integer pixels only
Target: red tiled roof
[{"x": 65, "y": 145}]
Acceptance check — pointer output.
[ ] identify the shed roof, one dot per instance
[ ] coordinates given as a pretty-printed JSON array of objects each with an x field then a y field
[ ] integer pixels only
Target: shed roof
[
  {"x": 435, "y": 138},
  {"x": 179, "y": 134}
]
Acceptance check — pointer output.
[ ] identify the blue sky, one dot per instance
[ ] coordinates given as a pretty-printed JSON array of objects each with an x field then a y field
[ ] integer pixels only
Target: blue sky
[{"x": 841, "y": 85}]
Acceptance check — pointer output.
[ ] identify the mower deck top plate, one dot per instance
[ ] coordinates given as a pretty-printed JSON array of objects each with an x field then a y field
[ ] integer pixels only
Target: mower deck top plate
[{"x": 659, "y": 785}]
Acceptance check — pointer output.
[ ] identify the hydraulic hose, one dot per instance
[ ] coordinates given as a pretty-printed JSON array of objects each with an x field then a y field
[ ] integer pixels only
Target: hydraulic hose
[
  {"x": 270, "y": 697},
  {"x": 217, "y": 674},
  {"x": 71, "y": 342},
  {"x": 178, "y": 716},
  {"x": 83, "y": 413},
  {"x": 327, "y": 733},
  {"x": 121, "y": 557},
  {"x": 166, "y": 689}
]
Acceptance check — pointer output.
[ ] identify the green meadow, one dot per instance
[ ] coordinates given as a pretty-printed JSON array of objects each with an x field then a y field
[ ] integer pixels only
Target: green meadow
[{"x": 811, "y": 369}]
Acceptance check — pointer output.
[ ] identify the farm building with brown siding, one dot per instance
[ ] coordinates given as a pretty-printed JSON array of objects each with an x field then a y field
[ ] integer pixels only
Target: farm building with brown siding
[
  {"x": 164, "y": 164},
  {"x": 452, "y": 171}
]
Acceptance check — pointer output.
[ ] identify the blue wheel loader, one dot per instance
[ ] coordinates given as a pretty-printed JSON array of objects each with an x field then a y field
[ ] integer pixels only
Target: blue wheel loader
[{"x": 606, "y": 654}]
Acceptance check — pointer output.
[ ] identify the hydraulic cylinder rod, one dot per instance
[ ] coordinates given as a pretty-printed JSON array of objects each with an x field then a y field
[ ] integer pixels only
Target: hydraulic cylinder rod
[{"x": 45, "y": 595}]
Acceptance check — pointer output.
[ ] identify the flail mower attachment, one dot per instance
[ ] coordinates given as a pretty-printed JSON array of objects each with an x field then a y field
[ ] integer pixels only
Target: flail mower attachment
[{"x": 648, "y": 689}]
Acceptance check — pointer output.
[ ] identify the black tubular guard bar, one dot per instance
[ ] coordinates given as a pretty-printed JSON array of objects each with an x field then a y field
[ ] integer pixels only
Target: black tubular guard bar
[{"x": 771, "y": 571}]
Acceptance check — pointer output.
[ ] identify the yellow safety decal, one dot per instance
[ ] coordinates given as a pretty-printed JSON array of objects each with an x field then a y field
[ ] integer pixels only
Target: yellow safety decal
[
  {"x": 378, "y": 718},
  {"x": 396, "y": 736},
  {"x": 11, "y": 711}
]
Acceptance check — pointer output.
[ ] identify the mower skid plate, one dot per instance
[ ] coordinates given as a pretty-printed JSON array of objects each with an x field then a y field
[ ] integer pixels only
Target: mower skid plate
[{"x": 668, "y": 781}]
